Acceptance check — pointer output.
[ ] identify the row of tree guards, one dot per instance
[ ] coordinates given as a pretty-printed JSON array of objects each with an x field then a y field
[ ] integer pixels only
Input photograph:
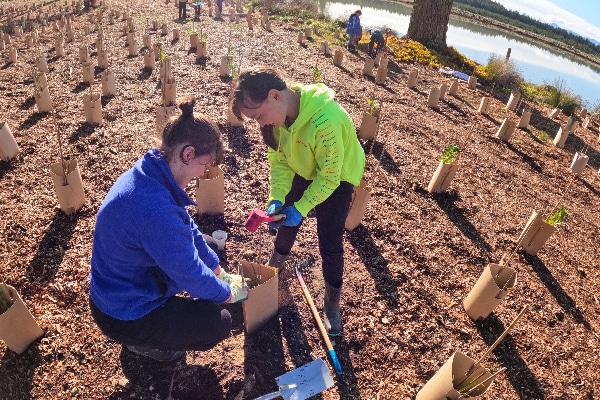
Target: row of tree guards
[
  {"x": 462, "y": 377},
  {"x": 18, "y": 328}
]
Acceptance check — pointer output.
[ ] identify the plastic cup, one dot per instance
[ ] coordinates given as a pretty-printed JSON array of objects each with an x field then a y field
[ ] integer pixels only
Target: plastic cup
[{"x": 220, "y": 237}]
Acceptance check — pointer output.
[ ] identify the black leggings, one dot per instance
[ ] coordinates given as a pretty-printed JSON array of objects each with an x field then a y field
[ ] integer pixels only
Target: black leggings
[
  {"x": 331, "y": 220},
  {"x": 182, "y": 10},
  {"x": 180, "y": 324}
]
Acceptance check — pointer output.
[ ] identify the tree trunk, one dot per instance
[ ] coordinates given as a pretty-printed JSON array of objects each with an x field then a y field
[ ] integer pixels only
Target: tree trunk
[{"x": 429, "y": 22}]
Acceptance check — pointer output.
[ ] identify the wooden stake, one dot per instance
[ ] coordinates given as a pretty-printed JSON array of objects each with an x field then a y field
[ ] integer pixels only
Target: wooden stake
[{"x": 492, "y": 347}]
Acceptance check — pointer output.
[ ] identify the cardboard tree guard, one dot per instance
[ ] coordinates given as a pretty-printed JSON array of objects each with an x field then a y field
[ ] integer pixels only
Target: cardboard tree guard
[
  {"x": 506, "y": 130},
  {"x": 358, "y": 205},
  {"x": 579, "y": 162},
  {"x": 18, "y": 328},
  {"x": 368, "y": 126},
  {"x": 8, "y": 145},
  {"x": 92, "y": 106},
  {"x": 561, "y": 137},
  {"x": 107, "y": 79},
  {"x": 535, "y": 234},
  {"x": 261, "y": 304},
  {"x": 210, "y": 193},
  {"x": 42, "y": 99},
  {"x": 163, "y": 114},
  {"x": 442, "y": 177},
  {"x": 70, "y": 196},
  {"x": 490, "y": 289},
  {"x": 443, "y": 385},
  {"x": 525, "y": 119}
]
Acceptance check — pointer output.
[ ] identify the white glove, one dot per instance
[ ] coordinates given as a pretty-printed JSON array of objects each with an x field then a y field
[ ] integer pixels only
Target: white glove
[
  {"x": 238, "y": 285},
  {"x": 239, "y": 292}
]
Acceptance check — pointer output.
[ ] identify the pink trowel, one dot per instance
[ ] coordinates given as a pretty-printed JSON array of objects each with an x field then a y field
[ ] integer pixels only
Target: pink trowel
[{"x": 258, "y": 216}]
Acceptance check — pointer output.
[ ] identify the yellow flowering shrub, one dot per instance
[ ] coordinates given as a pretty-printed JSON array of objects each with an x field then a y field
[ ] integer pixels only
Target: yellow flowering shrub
[
  {"x": 411, "y": 51},
  {"x": 457, "y": 58}
]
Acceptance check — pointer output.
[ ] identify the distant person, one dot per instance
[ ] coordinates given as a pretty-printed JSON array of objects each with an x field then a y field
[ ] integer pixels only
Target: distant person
[
  {"x": 147, "y": 249},
  {"x": 354, "y": 30},
  {"x": 182, "y": 9},
  {"x": 315, "y": 161},
  {"x": 220, "y": 6},
  {"x": 376, "y": 39}
]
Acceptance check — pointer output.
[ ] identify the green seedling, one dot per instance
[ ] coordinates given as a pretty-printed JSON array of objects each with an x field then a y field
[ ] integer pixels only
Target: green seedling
[
  {"x": 466, "y": 388},
  {"x": 161, "y": 53},
  {"x": 372, "y": 105},
  {"x": 450, "y": 154},
  {"x": 233, "y": 68},
  {"x": 317, "y": 74},
  {"x": 557, "y": 217},
  {"x": 5, "y": 303}
]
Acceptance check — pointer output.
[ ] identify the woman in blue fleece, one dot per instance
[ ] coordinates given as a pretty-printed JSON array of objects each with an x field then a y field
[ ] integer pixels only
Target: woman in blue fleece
[
  {"x": 147, "y": 249},
  {"x": 354, "y": 30}
]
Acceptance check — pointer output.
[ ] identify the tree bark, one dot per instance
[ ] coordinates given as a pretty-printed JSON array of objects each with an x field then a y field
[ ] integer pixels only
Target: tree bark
[{"x": 429, "y": 22}]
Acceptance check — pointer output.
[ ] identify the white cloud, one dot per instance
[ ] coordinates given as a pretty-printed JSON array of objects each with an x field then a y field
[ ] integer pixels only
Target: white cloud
[{"x": 548, "y": 12}]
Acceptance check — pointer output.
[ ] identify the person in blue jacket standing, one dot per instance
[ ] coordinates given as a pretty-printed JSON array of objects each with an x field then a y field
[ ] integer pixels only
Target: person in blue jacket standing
[
  {"x": 147, "y": 249},
  {"x": 354, "y": 30}
]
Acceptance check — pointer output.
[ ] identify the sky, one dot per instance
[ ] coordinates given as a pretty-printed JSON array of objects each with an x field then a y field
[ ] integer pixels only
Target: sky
[{"x": 580, "y": 16}]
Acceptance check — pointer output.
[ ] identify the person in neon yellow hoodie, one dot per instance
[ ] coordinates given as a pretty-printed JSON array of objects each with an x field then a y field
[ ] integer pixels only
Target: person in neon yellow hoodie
[{"x": 316, "y": 160}]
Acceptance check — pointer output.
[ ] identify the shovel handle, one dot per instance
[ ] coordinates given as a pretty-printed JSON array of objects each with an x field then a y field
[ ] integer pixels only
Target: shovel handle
[{"x": 336, "y": 363}]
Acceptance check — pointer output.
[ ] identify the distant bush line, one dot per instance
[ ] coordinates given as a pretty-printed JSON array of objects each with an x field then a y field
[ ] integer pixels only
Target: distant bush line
[{"x": 498, "y": 12}]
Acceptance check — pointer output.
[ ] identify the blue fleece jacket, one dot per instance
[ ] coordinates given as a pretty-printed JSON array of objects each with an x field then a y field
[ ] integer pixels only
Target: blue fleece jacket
[
  {"x": 146, "y": 247},
  {"x": 354, "y": 27}
]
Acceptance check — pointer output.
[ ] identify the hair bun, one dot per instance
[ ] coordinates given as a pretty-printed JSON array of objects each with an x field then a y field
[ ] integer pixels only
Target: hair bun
[{"x": 186, "y": 105}]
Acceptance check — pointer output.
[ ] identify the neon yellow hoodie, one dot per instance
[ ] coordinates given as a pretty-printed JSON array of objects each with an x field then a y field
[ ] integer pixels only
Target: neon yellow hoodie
[{"x": 320, "y": 146}]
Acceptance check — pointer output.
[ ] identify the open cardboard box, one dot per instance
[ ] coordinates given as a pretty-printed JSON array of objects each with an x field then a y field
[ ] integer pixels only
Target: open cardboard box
[{"x": 262, "y": 304}]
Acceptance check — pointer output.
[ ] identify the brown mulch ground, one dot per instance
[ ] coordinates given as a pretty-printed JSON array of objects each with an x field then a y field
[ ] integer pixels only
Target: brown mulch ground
[{"x": 409, "y": 265}]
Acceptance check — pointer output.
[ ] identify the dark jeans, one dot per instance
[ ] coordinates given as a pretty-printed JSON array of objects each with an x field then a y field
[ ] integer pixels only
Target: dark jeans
[
  {"x": 182, "y": 7},
  {"x": 331, "y": 219},
  {"x": 180, "y": 324},
  {"x": 220, "y": 6}
]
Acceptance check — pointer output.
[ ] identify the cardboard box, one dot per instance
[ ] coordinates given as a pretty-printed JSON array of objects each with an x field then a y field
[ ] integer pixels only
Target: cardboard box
[{"x": 262, "y": 304}]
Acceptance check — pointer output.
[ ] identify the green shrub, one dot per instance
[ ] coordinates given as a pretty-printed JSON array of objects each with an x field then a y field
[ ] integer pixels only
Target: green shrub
[
  {"x": 570, "y": 102},
  {"x": 503, "y": 72}
]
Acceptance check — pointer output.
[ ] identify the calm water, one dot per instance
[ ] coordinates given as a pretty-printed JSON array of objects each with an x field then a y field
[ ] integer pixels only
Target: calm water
[{"x": 537, "y": 64}]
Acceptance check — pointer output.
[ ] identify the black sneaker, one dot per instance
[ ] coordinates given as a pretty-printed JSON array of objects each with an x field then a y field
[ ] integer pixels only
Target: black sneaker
[{"x": 157, "y": 354}]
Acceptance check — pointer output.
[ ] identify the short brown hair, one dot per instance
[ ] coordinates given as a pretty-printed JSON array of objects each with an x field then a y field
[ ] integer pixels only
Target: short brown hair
[{"x": 254, "y": 84}]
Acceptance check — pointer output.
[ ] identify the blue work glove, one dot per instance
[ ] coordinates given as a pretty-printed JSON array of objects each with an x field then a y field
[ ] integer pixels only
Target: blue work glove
[
  {"x": 292, "y": 216},
  {"x": 275, "y": 207}
]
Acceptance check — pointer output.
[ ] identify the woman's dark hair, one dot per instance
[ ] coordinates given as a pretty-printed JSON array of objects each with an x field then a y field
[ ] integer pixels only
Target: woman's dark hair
[
  {"x": 253, "y": 86},
  {"x": 194, "y": 129}
]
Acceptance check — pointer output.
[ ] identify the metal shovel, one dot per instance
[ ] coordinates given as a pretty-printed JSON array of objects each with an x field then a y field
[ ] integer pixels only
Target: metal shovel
[{"x": 302, "y": 383}]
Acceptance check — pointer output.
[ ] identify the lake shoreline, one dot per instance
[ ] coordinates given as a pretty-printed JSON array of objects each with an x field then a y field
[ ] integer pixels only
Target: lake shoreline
[{"x": 594, "y": 62}]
